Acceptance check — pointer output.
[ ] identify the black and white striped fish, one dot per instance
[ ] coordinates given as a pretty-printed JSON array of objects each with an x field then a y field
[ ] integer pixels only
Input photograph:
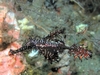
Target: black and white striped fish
[{"x": 49, "y": 48}]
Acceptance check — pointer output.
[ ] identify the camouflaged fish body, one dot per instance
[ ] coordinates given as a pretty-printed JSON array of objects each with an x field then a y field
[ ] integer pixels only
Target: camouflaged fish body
[{"x": 50, "y": 49}]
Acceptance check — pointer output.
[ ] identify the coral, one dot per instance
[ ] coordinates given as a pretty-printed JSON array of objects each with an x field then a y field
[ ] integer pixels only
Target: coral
[
  {"x": 81, "y": 28},
  {"x": 11, "y": 20},
  {"x": 9, "y": 32},
  {"x": 14, "y": 33},
  {"x": 3, "y": 11},
  {"x": 11, "y": 65},
  {"x": 8, "y": 24},
  {"x": 12, "y": 24},
  {"x": 23, "y": 24}
]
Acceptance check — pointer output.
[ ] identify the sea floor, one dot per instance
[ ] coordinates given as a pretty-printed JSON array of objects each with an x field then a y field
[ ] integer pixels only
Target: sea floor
[{"x": 81, "y": 20}]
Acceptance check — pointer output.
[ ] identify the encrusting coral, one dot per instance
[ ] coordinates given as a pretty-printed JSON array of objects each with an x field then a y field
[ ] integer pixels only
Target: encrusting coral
[
  {"x": 14, "y": 64},
  {"x": 11, "y": 65}
]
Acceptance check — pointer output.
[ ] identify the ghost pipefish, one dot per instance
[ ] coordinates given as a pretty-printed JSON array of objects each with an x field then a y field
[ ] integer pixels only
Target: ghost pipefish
[{"x": 48, "y": 48}]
